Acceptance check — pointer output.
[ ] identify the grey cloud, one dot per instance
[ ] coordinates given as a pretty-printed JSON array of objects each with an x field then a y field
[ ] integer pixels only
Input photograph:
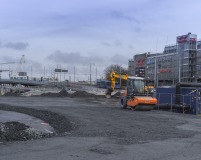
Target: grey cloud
[
  {"x": 106, "y": 44},
  {"x": 137, "y": 29},
  {"x": 121, "y": 15},
  {"x": 130, "y": 46},
  {"x": 118, "y": 43},
  {"x": 119, "y": 59},
  {"x": 7, "y": 59},
  {"x": 36, "y": 67},
  {"x": 16, "y": 46},
  {"x": 73, "y": 57}
]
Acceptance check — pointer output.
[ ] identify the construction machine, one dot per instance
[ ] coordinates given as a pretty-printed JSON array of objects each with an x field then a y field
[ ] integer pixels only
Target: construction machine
[
  {"x": 134, "y": 95},
  {"x": 149, "y": 89}
]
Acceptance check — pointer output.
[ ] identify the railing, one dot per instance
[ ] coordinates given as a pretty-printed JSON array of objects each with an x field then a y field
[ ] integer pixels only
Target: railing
[{"x": 184, "y": 103}]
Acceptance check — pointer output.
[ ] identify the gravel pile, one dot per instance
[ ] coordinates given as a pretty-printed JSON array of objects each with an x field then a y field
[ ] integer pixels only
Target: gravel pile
[
  {"x": 80, "y": 94},
  {"x": 62, "y": 93},
  {"x": 12, "y": 94},
  {"x": 15, "y": 131}
]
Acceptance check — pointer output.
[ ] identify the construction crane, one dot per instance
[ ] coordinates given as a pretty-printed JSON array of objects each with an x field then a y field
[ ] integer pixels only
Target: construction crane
[
  {"x": 19, "y": 72},
  {"x": 5, "y": 70},
  {"x": 20, "y": 67}
]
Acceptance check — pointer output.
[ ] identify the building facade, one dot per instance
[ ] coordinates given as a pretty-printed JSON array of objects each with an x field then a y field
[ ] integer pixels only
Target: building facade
[
  {"x": 198, "y": 67},
  {"x": 131, "y": 68},
  {"x": 187, "y": 57},
  {"x": 140, "y": 64},
  {"x": 137, "y": 65},
  {"x": 180, "y": 62},
  {"x": 160, "y": 69}
]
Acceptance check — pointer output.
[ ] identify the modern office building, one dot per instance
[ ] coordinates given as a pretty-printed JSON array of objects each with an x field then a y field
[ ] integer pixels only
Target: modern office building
[
  {"x": 198, "y": 67},
  {"x": 180, "y": 62},
  {"x": 140, "y": 64},
  {"x": 131, "y": 68},
  {"x": 160, "y": 70},
  {"x": 136, "y": 66},
  {"x": 187, "y": 57}
]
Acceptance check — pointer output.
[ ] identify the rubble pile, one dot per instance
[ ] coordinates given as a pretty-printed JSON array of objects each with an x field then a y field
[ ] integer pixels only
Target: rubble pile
[
  {"x": 11, "y": 94},
  {"x": 62, "y": 93},
  {"x": 80, "y": 94},
  {"x": 15, "y": 131}
]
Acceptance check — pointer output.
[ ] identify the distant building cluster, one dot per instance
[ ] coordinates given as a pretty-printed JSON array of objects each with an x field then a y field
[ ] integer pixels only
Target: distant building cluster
[{"x": 180, "y": 62}]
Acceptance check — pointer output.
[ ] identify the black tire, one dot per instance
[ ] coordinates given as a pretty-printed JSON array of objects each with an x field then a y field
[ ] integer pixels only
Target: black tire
[{"x": 124, "y": 104}]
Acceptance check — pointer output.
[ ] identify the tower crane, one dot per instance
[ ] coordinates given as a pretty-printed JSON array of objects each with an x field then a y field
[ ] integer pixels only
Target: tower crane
[
  {"x": 19, "y": 72},
  {"x": 5, "y": 70}
]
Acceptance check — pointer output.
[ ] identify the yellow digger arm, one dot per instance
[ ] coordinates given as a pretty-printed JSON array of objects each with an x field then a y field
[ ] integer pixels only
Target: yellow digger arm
[{"x": 115, "y": 75}]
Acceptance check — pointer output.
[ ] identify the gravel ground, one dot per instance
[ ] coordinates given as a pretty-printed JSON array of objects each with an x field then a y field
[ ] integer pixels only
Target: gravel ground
[
  {"x": 99, "y": 117},
  {"x": 96, "y": 128}
]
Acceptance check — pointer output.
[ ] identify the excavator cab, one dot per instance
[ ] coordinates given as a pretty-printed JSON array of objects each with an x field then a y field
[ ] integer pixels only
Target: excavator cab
[{"x": 135, "y": 86}]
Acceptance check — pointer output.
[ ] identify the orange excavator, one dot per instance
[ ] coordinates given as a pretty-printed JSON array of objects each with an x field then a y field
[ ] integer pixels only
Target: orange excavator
[{"x": 134, "y": 95}]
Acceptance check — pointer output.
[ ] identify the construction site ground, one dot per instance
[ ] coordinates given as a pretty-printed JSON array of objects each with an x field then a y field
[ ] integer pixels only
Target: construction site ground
[{"x": 88, "y": 128}]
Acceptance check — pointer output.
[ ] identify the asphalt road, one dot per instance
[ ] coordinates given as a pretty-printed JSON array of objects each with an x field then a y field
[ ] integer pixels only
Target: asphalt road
[{"x": 104, "y": 131}]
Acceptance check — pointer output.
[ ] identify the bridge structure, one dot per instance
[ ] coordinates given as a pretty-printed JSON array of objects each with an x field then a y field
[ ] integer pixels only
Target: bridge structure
[{"x": 24, "y": 82}]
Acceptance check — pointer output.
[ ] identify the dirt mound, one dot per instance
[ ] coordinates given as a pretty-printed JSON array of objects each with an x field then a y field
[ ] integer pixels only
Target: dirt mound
[
  {"x": 49, "y": 94},
  {"x": 80, "y": 94},
  {"x": 62, "y": 93},
  {"x": 15, "y": 131}
]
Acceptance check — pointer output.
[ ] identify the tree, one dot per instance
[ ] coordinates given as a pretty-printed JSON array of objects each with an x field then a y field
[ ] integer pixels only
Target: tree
[{"x": 117, "y": 68}]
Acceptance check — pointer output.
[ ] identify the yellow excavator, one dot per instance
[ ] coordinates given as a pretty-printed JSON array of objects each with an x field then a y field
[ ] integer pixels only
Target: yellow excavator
[
  {"x": 134, "y": 95},
  {"x": 149, "y": 89}
]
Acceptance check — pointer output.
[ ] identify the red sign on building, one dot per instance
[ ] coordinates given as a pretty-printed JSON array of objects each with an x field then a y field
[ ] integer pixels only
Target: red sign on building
[{"x": 182, "y": 39}]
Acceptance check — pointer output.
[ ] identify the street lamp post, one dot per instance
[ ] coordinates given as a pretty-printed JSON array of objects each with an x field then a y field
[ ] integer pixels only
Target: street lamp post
[
  {"x": 155, "y": 75},
  {"x": 120, "y": 78},
  {"x": 90, "y": 75}
]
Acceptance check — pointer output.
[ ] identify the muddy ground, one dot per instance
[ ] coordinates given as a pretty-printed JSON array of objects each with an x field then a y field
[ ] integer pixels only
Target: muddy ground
[{"x": 100, "y": 129}]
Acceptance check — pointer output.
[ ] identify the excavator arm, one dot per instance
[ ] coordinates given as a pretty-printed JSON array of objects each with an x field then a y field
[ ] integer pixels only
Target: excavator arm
[{"x": 113, "y": 76}]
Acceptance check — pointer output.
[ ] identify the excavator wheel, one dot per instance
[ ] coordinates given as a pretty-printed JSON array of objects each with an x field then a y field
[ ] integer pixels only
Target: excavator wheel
[
  {"x": 124, "y": 103},
  {"x": 124, "y": 106}
]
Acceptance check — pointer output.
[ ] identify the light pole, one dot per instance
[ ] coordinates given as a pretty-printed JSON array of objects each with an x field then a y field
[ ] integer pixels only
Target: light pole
[
  {"x": 74, "y": 73},
  {"x": 96, "y": 73},
  {"x": 90, "y": 75},
  {"x": 120, "y": 78},
  {"x": 31, "y": 73},
  {"x": 60, "y": 72},
  {"x": 155, "y": 75},
  {"x": 44, "y": 72}
]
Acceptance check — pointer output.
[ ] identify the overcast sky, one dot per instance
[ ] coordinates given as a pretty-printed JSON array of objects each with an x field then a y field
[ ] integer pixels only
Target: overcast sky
[{"x": 77, "y": 33}]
